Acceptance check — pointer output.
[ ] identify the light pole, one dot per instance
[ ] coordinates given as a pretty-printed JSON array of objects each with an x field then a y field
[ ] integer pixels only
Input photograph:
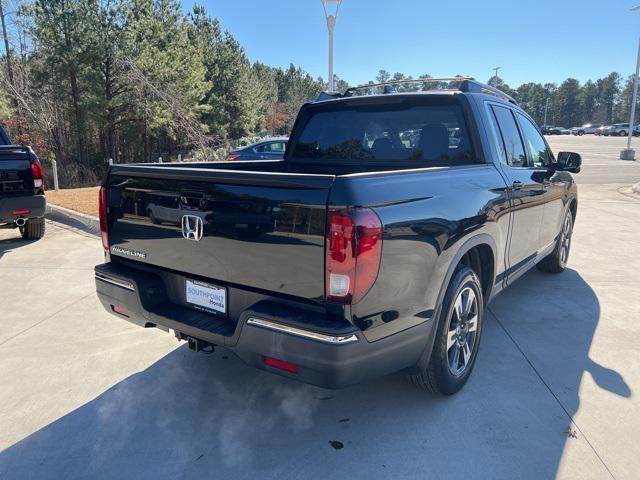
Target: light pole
[
  {"x": 546, "y": 107},
  {"x": 629, "y": 153},
  {"x": 495, "y": 71},
  {"x": 331, "y": 8}
]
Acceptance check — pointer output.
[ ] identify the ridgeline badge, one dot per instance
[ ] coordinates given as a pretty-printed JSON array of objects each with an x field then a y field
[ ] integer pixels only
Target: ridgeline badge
[{"x": 128, "y": 252}]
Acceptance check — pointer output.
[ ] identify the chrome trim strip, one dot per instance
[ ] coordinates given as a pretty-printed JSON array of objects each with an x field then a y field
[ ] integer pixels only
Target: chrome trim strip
[
  {"x": 299, "y": 332},
  {"x": 115, "y": 281}
]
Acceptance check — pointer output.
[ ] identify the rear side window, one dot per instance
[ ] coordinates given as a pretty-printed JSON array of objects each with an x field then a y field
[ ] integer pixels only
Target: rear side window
[
  {"x": 511, "y": 140},
  {"x": 428, "y": 135}
]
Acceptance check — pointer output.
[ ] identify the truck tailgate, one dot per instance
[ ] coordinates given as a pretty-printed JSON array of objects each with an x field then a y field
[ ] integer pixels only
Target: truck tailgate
[
  {"x": 15, "y": 171},
  {"x": 254, "y": 229}
]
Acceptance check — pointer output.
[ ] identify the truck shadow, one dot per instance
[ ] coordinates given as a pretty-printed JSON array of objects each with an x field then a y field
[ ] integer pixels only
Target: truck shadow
[
  {"x": 10, "y": 239},
  {"x": 191, "y": 415}
]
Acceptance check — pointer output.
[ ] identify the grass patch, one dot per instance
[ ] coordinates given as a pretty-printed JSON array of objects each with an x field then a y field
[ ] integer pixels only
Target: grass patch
[{"x": 84, "y": 200}]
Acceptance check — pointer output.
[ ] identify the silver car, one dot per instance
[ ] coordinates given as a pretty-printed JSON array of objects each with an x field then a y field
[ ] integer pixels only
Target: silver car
[
  {"x": 619, "y": 130},
  {"x": 587, "y": 129}
]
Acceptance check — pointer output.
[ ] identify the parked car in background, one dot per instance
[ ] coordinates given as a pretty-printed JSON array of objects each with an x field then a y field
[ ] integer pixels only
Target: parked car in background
[
  {"x": 604, "y": 130},
  {"x": 587, "y": 129},
  {"x": 22, "y": 201},
  {"x": 552, "y": 131},
  {"x": 267, "y": 149},
  {"x": 622, "y": 130},
  {"x": 619, "y": 130},
  {"x": 374, "y": 246}
]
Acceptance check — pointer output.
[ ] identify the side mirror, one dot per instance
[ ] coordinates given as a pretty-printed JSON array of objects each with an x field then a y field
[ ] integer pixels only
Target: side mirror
[{"x": 569, "y": 162}]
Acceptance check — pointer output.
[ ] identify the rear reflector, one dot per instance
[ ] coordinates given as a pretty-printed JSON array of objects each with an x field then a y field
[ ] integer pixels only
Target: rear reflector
[
  {"x": 120, "y": 310},
  {"x": 232, "y": 156},
  {"x": 25, "y": 211},
  {"x": 281, "y": 365}
]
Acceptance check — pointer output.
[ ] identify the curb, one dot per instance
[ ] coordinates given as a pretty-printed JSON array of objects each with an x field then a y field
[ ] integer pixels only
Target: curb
[{"x": 87, "y": 223}]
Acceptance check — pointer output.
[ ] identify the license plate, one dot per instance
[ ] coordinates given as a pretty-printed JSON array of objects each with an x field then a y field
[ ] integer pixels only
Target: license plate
[{"x": 206, "y": 297}]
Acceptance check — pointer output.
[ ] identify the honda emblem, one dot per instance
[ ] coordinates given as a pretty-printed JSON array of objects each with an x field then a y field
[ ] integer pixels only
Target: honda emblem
[{"x": 192, "y": 227}]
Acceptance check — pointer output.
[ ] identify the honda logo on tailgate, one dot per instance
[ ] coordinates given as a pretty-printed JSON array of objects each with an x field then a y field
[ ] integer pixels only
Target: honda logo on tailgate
[{"x": 192, "y": 227}]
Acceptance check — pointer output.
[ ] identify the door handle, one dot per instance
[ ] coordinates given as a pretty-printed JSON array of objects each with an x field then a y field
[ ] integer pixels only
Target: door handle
[{"x": 518, "y": 185}]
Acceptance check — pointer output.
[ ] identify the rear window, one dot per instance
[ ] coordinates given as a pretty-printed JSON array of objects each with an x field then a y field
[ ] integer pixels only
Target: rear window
[{"x": 431, "y": 135}]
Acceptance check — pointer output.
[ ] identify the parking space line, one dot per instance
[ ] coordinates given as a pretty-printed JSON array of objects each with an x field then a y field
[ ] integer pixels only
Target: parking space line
[{"x": 539, "y": 375}]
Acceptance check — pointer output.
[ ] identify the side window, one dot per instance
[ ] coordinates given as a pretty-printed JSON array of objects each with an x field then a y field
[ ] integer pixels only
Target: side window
[
  {"x": 510, "y": 136},
  {"x": 276, "y": 147},
  {"x": 537, "y": 149},
  {"x": 260, "y": 148}
]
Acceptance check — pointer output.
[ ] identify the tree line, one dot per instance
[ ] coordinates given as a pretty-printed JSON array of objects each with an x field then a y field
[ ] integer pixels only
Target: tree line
[
  {"x": 606, "y": 100},
  {"x": 133, "y": 80}
]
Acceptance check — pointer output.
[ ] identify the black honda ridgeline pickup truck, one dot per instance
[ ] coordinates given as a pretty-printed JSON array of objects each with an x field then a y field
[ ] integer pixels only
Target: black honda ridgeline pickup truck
[
  {"x": 22, "y": 201},
  {"x": 372, "y": 248}
]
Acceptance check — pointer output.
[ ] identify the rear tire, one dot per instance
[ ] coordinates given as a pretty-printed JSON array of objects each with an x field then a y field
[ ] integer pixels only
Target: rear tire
[
  {"x": 580, "y": 133},
  {"x": 457, "y": 338},
  {"x": 622, "y": 133},
  {"x": 33, "y": 229},
  {"x": 556, "y": 261}
]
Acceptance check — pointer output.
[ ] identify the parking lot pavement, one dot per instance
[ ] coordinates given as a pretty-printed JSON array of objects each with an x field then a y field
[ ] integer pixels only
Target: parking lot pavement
[
  {"x": 554, "y": 393},
  {"x": 600, "y": 157}
]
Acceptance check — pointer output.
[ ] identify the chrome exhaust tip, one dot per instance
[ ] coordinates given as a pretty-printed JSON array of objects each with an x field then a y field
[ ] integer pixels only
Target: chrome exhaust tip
[{"x": 21, "y": 221}]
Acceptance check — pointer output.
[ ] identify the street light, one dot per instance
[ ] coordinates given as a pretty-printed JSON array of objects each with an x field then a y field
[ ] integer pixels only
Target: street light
[
  {"x": 331, "y": 8},
  {"x": 546, "y": 107},
  {"x": 629, "y": 153}
]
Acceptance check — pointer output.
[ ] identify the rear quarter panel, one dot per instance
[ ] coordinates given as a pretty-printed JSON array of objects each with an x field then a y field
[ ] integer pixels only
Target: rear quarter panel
[{"x": 427, "y": 216}]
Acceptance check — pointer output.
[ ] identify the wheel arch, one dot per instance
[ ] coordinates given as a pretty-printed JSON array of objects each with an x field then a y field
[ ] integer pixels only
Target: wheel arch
[{"x": 480, "y": 249}]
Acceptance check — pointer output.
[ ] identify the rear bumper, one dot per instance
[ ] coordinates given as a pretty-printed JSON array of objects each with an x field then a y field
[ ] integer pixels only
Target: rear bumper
[
  {"x": 327, "y": 354},
  {"x": 36, "y": 204}
]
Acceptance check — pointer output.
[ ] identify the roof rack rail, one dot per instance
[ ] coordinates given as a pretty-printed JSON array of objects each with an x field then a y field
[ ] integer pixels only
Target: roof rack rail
[
  {"x": 350, "y": 91},
  {"x": 465, "y": 84},
  {"x": 474, "y": 86}
]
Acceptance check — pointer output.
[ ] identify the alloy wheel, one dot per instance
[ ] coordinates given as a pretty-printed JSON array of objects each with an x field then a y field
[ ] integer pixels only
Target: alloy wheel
[
  {"x": 462, "y": 331},
  {"x": 565, "y": 240}
]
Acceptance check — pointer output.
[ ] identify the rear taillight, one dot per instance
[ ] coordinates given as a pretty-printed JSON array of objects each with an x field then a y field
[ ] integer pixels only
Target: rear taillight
[
  {"x": 38, "y": 173},
  {"x": 354, "y": 248},
  {"x": 232, "y": 156},
  {"x": 104, "y": 224}
]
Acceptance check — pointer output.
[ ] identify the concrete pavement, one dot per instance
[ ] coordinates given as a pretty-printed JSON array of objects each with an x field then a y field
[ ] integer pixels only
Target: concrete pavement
[
  {"x": 554, "y": 393},
  {"x": 600, "y": 156}
]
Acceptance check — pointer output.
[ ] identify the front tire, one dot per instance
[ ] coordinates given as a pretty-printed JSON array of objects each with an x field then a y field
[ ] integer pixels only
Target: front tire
[
  {"x": 33, "y": 229},
  {"x": 457, "y": 338},
  {"x": 556, "y": 261},
  {"x": 622, "y": 134}
]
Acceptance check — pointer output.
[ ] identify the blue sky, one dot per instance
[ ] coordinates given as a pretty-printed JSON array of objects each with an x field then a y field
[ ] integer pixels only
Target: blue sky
[{"x": 541, "y": 41}]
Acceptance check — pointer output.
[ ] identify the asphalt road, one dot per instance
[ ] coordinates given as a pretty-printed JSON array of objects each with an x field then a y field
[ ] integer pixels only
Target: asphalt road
[{"x": 554, "y": 392}]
